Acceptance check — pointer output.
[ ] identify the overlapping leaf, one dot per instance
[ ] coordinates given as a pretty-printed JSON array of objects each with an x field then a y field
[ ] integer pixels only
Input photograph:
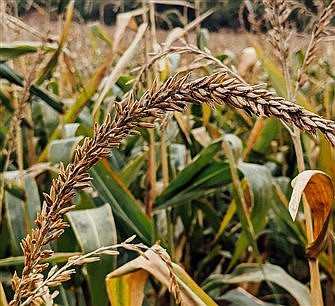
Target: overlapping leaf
[
  {"x": 152, "y": 262},
  {"x": 95, "y": 228}
]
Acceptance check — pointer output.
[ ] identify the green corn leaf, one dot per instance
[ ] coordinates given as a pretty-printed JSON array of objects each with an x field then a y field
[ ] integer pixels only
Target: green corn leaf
[
  {"x": 239, "y": 296},
  {"x": 270, "y": 131},
  {"x": 10, "y": 50},
  {"x": 213, "y": 176},
  {"x": 111, "y": 189},
  {"x": 15, "y": 190},
  {"x": 63, "y": 149},
  {"x": 261, "y": 193},
  {"x": 97, "y": 31},
  {"x": 14, "y": 77},
  {"x": 250, "y": 272},
  {"x": 128, "y": 172},
  {"x": 184, "y": 177},
  {"x": 21, "y": 214},
  {"x": 124, "y": 82},
  {"x": 6, "y": 101},
  {"x": 93, "y": 229}
]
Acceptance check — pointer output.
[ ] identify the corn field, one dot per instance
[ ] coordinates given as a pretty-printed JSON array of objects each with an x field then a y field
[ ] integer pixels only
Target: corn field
[{"x": 142, "y": 166}]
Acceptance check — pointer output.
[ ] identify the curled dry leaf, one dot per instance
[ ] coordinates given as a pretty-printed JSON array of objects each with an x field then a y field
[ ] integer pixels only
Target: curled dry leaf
[{"x": 318, "y": 189}]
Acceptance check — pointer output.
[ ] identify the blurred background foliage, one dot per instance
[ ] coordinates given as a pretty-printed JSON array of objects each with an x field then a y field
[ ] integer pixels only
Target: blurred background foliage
[{"x": 225, "y": 15}]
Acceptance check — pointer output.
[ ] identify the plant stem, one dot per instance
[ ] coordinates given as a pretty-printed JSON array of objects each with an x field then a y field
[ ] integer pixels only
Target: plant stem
[
  {"x": 197, "y": 14},
  {"x": 241, "y": 205},
  {"x": 151, "y": 170},
  {"x": 151, "y": 175},
  {"x": 168, "y": 211},
  {"x": 316, "y": 292}
]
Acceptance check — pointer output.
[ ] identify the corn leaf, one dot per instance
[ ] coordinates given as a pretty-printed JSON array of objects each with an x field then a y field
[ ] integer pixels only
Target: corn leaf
[
  {"x": 59, "y": 257},
  {"x": 21, "y": 214},
  {"x": 153, "y": 263},
  {"x": 63, "y": 149},
  {"x": 3, "y": 300},
  {"x": 95, "y": 228},
  {"x": 10, "y": 50},
  {"x": 327, "y": 157},
  {"x": 268, "y": 132},
  {"x": 111, "y": 189},
  {"x": 123, "y": 21},
  {"x": 268, "y": 272},
  {"x": 258, "y": 197},
  {"x": 14, "y": 77},
  {"x": 99, "y": 32},
  {"x": 204, "y": 158},
  {"x": 15, "y": 189},
  {"x": 239, "y": 296},
  {"x": 127, "y": 173},
  {"x": 128, "y": 289},
  {"x": 213, "y": 176}
]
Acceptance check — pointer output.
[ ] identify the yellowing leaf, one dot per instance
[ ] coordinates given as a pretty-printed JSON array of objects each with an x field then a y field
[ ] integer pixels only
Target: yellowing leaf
[
  {"x": 226, "y": 219},
  {"x": 318, "y": 189},
  {"x": 164, "y": 69},
  {"x": 127, "y": 290},
  {"x": 3, "y": 300},
  {"x": 206, "y": 113},
  {"x": 326, "y": 160},
  {"x": 155, "y": 261},
  {"x": 47, "y": 70},
  {"x": 254, "y": 135},
  {"x": 182, "y": 125}
]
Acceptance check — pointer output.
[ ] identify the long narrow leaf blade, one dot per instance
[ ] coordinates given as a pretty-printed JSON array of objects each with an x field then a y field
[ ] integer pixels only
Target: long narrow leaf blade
[
  {"x": 9, "y": 74},
  {"x": 93, "y": 229},
  {"x": 111, "y": 188},
  {"x": 253, "y": 273}
]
